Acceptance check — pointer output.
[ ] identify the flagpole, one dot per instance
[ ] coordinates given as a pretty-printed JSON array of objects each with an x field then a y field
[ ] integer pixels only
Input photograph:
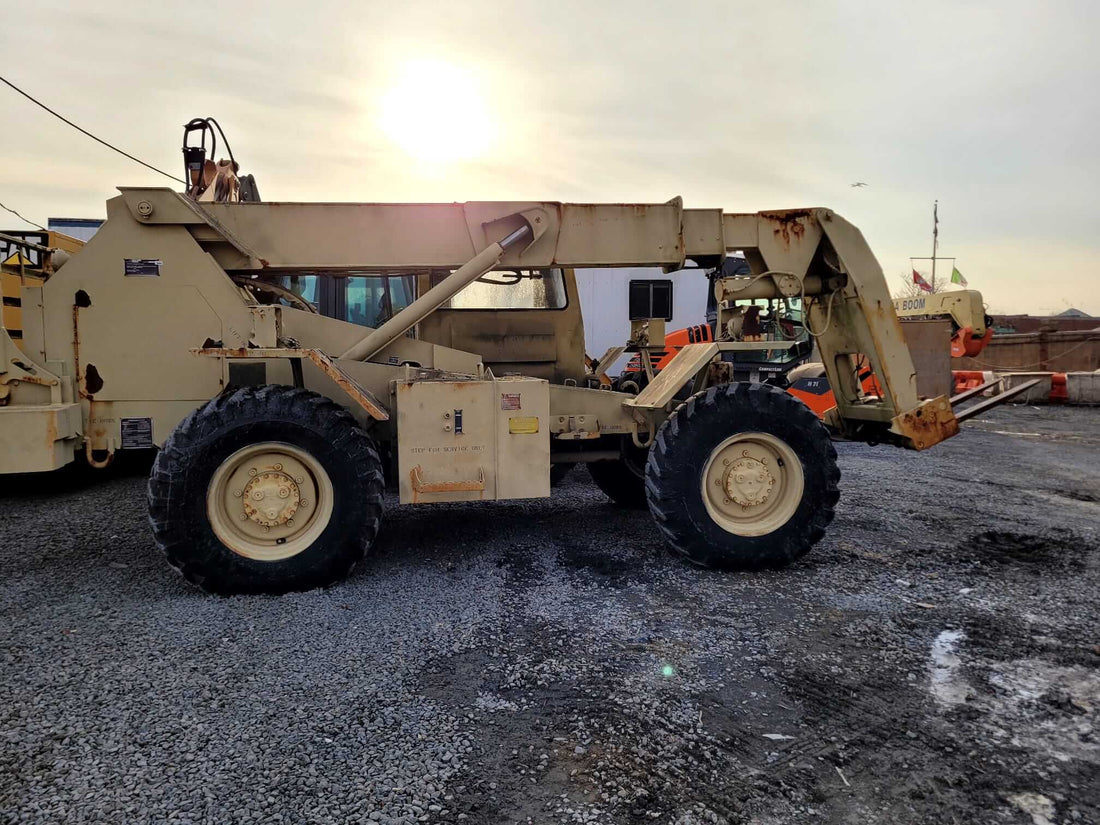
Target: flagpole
[{"x": 935, "y": 239}]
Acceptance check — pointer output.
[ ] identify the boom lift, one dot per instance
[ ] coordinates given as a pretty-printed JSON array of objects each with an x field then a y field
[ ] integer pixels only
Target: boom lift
[
  {"x": 971, "y": 327},
  {"x": 276, "y": 424}
]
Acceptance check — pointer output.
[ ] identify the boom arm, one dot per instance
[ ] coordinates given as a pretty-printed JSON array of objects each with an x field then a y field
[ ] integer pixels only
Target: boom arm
[{"x": 812, "y": 253}]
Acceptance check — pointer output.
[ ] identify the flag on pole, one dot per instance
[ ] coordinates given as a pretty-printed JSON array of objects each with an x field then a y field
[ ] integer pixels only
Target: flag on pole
[
  {"x": 957, "y": 277},
  {"x": 919, "y": 281}
]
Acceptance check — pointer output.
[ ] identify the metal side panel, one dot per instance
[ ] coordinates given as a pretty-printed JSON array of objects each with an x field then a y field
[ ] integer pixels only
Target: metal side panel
[
  {"x": 473, "y": 439},
  {"x": 446, "y": 441},
  {"x": 38, "y": 438}
]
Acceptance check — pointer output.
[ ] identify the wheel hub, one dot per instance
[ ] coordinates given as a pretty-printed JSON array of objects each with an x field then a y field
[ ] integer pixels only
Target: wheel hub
[
  {"x": 752, "y": 483},
  {"x": 748, "y": 482},
  {"x": 271, "y": 499}
]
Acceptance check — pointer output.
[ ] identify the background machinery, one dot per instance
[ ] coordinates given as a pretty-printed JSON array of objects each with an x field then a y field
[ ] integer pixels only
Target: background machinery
[
  {"x": 277, "y": 426},
  {"x": 28, "y": 259},
  {"x": 794, "y": 364}
]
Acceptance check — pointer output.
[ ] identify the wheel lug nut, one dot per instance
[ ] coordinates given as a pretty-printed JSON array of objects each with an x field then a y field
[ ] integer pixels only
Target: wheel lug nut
[
  {"x": 267, "y": 529},
  {"x": 244, "y": 516},
  {"x": 252, "y": 471},
  {"x": 300, "y": 480},
  {"x": 238, "y": 493},
  {"x": 290, "y": 522},
  {"x": 278, "y": 466},
  {"x": 284, "y": 492},
  {"x": 304, "y": 502}
]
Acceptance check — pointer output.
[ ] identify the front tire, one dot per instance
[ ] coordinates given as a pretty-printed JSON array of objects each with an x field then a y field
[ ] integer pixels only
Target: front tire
[
  {"x": 742, "y": 476},
  {"x": 266, "y": 490}
]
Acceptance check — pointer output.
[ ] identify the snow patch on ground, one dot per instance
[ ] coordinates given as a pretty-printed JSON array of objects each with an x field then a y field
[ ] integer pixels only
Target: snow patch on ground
[{"x": 947, "y": 682}]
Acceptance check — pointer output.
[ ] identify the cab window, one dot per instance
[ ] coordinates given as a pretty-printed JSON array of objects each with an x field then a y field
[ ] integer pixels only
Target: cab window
[
  {"x": 511, "y": 289},
  {"x": 371, "y": 300},
  {"x": 304, "y": 286}
]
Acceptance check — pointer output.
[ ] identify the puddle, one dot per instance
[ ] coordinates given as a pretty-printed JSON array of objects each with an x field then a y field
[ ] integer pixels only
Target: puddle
[{"x": 947, "y": 683}]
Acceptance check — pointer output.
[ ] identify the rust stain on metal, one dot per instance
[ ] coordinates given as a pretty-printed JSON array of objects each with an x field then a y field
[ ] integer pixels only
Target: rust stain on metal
[
  {"x": 928, "y": 425},
  {"x": 51, "y": 430},
  {"x": 787, "y": 224},
  {"x": 80, "y": 388},
  {"x": 30, "y": 376},
  {"x": 416, "y": 480},
  {"x": 364, "y": 400}
]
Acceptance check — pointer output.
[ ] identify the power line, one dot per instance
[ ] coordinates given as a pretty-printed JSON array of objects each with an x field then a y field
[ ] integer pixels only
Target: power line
[
  {"x": 28, "y": 220},
  {"x": 89, "y": 134}
]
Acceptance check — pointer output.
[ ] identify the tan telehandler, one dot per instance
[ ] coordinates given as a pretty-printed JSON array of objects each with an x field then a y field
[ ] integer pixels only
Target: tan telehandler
[{"x": 173, "y": 328}]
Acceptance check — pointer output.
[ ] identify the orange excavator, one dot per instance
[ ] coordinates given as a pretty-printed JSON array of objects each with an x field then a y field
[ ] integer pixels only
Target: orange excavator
[{"x": 791, "y": 366}]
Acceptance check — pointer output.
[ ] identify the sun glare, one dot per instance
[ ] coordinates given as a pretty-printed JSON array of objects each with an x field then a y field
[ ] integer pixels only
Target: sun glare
[{"x": 436, "y": 113}]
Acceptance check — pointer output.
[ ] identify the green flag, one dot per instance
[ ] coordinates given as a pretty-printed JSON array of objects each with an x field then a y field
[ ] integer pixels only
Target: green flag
[{"x": 957, "y": 277}]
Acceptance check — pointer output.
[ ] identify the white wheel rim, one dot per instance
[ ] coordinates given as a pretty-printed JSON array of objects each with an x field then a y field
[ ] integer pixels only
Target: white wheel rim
[
  {"x": 752, "y": 484},
  {"x": 269, "y": 501}
]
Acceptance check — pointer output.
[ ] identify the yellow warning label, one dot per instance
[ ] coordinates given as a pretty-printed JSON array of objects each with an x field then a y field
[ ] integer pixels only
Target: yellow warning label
[
  {"x": 523, "y": 425},
  {"x": 16, "y": 259}
]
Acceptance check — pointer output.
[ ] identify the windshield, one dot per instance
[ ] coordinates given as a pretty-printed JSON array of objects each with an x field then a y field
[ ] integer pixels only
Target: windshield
[
  {"x": 374, "y": 299},
  {"x": 774, "y": 320},
  {"x": 511, "y": 289},
  {"x": 304, "y": 286}
]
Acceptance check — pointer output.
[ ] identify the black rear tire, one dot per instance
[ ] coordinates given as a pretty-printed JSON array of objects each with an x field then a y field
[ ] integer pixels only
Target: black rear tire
[
  {"x": 311, "y": 424},
  {"x": 623, "y": 481},
  {"x": 685, "y": 444}
]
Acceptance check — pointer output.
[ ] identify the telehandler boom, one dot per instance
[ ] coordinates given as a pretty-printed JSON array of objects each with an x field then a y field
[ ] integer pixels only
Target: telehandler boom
[{"x": 277, "y": 426}]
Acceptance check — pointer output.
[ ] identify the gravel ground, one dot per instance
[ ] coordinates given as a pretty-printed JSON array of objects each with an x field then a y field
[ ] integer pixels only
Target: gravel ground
[{"x": 935, "y": 659}]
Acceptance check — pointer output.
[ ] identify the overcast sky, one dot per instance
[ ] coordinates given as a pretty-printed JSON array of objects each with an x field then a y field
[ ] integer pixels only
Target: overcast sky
[{"x": 991, "y": 106}]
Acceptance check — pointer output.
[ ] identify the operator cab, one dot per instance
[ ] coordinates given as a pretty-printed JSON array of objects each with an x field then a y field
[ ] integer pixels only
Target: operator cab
[
  {"x": 764, "y": 320},
  {"x": 525, "y": 322}
]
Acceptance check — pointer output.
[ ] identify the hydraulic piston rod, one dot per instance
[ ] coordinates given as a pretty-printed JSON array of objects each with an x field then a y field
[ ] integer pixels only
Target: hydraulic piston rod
[
  {"x": 434, "y": 298},
  {"x": 744, "y": 289}
]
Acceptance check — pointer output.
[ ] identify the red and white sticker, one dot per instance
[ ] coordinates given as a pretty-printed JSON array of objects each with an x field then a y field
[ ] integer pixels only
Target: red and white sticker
[{"x": 510, "y": 401}]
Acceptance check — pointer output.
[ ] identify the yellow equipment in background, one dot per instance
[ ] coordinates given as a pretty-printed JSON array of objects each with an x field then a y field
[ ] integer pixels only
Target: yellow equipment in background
[{"x": 28, "y": 259}]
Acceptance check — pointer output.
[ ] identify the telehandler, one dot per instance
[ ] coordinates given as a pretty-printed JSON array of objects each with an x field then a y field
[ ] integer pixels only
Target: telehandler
[{"x": 277, "y": 426}]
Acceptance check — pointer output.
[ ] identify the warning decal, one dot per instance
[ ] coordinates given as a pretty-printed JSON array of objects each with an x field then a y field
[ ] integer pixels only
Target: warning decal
[
  {"x": 137, "y": 433},
  {"x": 509, "y": 401},
  {"x": 141, "y": 267}
]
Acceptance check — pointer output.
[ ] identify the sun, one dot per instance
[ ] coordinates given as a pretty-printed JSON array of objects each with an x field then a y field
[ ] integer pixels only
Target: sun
[{"x": 435, "y": 113}]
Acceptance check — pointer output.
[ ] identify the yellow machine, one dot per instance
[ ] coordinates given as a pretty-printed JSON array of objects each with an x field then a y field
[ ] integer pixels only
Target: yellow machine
[
  {"x": 28, "y": 259},
  {"x": 182, "y": 325},
  {"x": 971, "y": 327}
]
